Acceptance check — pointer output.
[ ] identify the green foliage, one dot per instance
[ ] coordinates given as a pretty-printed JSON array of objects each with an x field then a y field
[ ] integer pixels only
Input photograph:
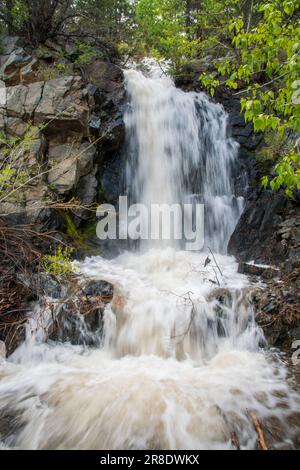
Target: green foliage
[
  {"x": 209, "y": 82},
  {"x": 20, "y": 14},
  {"x": 109, "y": 19},
  {"x": 35, "y": 20},
  {"x": 263, "y": 63},
  {"x": 14, "y": 169},
  {"x": 60, "y": 263},
  {"x": 86, "y": 53},
  {"x": 79, "y": 238},
  {"x": 7, "y": 174},
  {"x": 287, "y": 175},
  {"x": 163, "y": 26}
]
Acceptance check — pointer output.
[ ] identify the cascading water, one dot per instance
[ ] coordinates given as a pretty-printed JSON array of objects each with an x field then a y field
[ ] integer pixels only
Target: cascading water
[
  {"x": 180, "y": 362},
  {"x": 179, "y": 152}
]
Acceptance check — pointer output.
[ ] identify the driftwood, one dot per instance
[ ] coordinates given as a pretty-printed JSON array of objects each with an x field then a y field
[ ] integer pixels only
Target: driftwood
[{"x": 258, "y": 427}]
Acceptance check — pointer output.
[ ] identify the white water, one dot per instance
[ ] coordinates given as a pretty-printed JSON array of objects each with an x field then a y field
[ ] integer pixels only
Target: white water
[
  {"x": 180, "y": 363},
  {"x": 180, "y": 152}
]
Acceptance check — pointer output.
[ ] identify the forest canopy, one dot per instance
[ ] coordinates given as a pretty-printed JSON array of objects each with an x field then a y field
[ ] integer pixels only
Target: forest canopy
[{"x": 252, "y": 47}]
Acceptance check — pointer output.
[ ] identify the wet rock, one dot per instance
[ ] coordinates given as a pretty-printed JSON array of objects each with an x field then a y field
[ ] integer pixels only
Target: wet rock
[
  {"x": 266, "y": 272},
  {"x": 268, "y": 231},
  {"x": 114, "y": 135},
  {"x": 79, "y": 318},
  {"x": 222, "y": 295},
  {"x": 99, "y": 288},
  {"x": 112, "y": 178}
]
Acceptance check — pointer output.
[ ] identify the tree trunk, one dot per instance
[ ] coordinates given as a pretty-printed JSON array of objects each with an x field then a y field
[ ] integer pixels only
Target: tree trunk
[{"x": 9, "y": 4}]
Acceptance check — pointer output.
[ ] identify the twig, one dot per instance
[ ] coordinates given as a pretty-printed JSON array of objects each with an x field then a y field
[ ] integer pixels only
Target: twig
[
  {"x": 215, "y": 262},
  {"x": 257, "y": 425},
  {"x": 264, "y": 84}
]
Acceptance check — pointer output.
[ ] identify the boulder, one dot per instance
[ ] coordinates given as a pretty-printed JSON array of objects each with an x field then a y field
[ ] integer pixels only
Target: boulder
[
  {"x": 112, "y": 178},
  {"x": 106, "y": 76},
  {"x": 10, "y": 70},
  {"x": 33, "y": 98},
  {"x": 69, "y": 162},
  {"x": 99, "y": 289},
  {"x": 15, "y": 101},
  {"x": 63, "y": 103},
  {"x": 15, "y": 127}
]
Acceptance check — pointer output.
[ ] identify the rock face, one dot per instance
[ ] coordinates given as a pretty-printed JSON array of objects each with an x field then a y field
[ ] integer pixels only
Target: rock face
[
  {"x": 277, "y": 308},
  {"x": 78, "y": 130},
  {"x": 268, "y": 231}
]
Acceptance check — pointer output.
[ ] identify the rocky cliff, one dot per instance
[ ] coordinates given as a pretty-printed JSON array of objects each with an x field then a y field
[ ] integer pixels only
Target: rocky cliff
[{"x": 75, "y": 112}]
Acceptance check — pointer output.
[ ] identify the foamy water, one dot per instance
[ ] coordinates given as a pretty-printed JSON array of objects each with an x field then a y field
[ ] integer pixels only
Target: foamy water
[{"x": 160, "y": 381}]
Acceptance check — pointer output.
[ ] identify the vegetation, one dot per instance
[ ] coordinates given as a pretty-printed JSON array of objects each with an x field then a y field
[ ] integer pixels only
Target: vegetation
[
  {"x": 13, "y": 176},
  {"x": 60, "y": 263}
]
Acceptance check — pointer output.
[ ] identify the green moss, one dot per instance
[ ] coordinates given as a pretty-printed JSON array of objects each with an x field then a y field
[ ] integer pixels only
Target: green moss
[{"x": 80, "y": 237}]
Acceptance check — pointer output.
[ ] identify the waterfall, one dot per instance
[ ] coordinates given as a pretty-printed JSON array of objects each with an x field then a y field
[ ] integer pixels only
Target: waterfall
[
  {"x": 179, "y": 151},
  {"x": 180, "y": 361}
]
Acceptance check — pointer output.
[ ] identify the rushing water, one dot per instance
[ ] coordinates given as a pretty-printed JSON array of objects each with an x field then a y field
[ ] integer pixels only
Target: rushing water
[
  {"x": 179, "y": 151},
  {"x": 181, "y": 359}
]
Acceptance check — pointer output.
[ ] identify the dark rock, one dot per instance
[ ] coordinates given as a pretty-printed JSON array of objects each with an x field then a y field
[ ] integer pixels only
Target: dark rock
[
  {"x": 259, "y": 235},
  {"x": 266, "y": 272},
  {"x": 79, "y": 316},
  {"x": 242, "y": 131},
  {"x": 49, "y": 286},
  {"x": 277, "y": 308},
  {"x": 114, "y": 135},
  {"x": 112, "y": 178},
  {"x": 98, "y": 288},
  {"x": 95, "y": 123}
]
